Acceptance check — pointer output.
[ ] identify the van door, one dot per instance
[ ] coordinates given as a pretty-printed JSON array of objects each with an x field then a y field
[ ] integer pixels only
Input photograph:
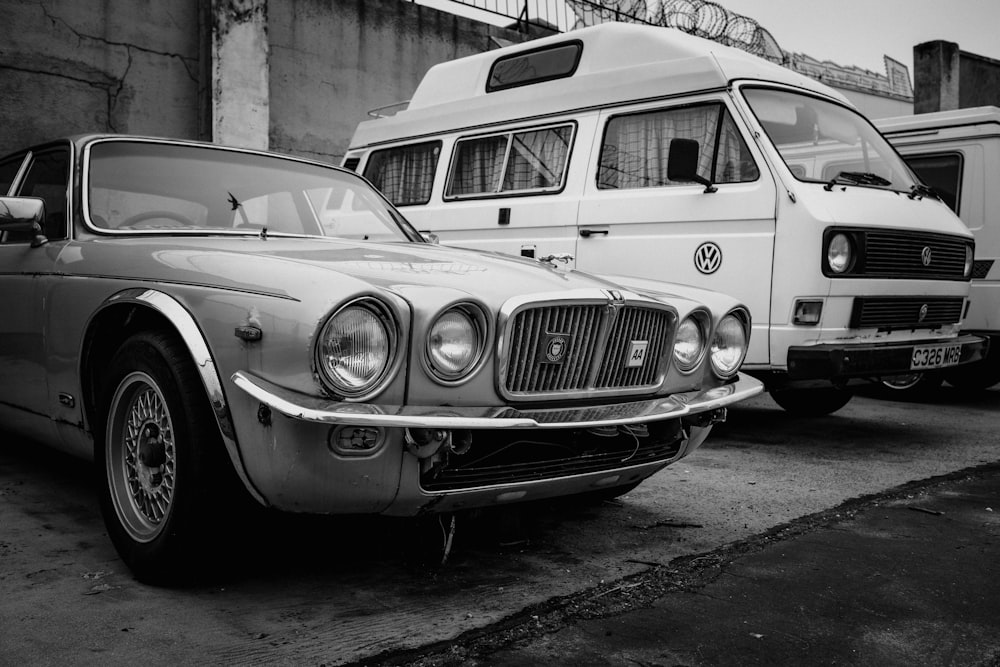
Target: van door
[
  {"x": 505, "y": 190},
  {"x": 635, "y": 220}
]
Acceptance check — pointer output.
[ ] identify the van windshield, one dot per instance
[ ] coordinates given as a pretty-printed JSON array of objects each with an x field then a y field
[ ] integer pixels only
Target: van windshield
[{"x": 823, "y": 142}]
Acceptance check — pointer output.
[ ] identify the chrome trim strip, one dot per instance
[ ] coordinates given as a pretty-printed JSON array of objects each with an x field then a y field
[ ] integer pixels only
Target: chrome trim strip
[
  {"x": 316, "y": 409},
  {"x": 205, "y": 365}
]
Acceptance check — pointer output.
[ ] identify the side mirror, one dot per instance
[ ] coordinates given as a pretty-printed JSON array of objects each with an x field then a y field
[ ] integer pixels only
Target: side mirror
[
  {"x": 23, "y": 214},
  {"x": 682, "y": 163},
  {"x": 430, "y": 236}
]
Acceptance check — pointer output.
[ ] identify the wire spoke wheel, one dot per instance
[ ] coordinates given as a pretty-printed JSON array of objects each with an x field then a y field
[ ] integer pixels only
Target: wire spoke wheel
[{"x": 141, "y": 456}]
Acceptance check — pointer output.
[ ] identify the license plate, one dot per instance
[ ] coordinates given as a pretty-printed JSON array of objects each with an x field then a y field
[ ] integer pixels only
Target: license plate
[{"x": 935, "y": 356}]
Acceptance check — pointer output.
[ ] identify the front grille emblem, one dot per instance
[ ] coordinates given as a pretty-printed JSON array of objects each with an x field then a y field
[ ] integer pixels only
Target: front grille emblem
[
  {"x": 923, "y": 313},
  {"x": 925, "y": 256},
  {"x": 556, "y": 346}
]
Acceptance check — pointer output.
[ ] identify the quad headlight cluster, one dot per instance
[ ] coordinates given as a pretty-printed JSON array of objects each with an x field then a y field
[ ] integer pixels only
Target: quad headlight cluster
[
  {"x": 358, "y": 348},
  {"x": 726, "y": 350}
]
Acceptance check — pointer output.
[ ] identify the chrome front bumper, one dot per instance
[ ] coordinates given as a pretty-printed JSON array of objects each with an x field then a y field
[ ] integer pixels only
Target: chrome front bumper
[{"x": 309, "y": 408}]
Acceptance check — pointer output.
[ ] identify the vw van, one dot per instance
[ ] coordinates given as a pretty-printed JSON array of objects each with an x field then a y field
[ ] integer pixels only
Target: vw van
[
  {"x": 642, "y": 152},
  {"x": 957, "y": 154}
]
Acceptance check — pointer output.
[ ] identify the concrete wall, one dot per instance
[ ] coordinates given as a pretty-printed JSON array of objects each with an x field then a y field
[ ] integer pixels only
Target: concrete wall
[
  {"x": 946, "y": 78},
  {"x": 291, "y": 75},
  {"x": 332, "y": 62},
  {"x": 71, "y": 66}
]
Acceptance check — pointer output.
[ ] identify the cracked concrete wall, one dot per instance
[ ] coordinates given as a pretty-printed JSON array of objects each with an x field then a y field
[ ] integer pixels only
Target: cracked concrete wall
[
  {"x": 334, "y": 60},
  {"x": 296, "y": 76},
  {"x": 69, "y": 67}
]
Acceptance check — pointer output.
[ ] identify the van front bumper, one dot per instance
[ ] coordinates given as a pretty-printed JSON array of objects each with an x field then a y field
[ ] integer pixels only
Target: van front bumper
[{"x": 831, "y": 361}]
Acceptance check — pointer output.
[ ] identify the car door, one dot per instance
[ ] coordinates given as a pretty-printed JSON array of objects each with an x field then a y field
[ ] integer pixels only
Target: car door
[
  {"x": 25, "y": 269},
  {"x": 635, "y": 220}
]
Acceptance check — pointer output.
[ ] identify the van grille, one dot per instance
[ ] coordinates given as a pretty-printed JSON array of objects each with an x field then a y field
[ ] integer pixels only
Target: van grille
[
  {"x": 563, "y": 350},
  {"x": 905, "y": 312},
  {"x": 902, "y": 254}
]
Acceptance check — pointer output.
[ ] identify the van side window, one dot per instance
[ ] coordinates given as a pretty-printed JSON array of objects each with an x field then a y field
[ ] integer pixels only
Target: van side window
[
  {"x": 636, "y": 147},
  {"x": 514, "y": 162},
  {"x": 404, "y": 174},
  {"x": 942, "y": 172}
]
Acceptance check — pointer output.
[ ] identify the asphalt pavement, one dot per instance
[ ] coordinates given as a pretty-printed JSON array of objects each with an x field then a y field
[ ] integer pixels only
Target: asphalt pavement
[{"x": 905, "y": 577}]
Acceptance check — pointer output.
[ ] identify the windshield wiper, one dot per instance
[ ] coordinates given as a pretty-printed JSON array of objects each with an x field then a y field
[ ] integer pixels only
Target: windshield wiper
[
  {"x": 919, "y": 191},
  {"x": 857, "y": 178}
]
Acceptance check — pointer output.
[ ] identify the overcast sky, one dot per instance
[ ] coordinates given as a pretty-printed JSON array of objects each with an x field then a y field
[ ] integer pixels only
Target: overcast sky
[{"x": 861, "y": 32}]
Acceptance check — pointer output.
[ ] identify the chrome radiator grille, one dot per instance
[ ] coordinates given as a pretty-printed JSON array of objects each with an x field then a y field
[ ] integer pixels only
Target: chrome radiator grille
[
  {"x": 902, "y": 255},
  {"x": 905, "y": 312},
  {"x": 563, "y": 350}
]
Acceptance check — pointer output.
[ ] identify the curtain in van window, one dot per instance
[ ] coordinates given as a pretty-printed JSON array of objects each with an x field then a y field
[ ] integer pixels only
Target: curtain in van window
[
  {"x": 404, "y": 174},
  {"x": 537, "y": 159},
  {"x": 478, "y": 165},
  {"x": 636, "y": 146}
]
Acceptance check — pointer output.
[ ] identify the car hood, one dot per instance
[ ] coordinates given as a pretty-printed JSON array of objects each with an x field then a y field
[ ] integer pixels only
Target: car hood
[{"x": 296, "y": 267}]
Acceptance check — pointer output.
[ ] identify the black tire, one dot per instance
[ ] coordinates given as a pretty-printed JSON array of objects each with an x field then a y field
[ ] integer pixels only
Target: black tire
[
  {"x": 910, "y": 386},
  {"x": 161, "y": 462},
  {"x": 811, "y": 402},
  {"x": 976, "y": 376}
]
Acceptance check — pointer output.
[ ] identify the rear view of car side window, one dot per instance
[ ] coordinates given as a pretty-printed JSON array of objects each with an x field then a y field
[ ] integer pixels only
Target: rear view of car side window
[
  {"x": 637, "y": 146},
  {"x": 47, "y": 178},
  {"x": 520, "y": 162},
  {"x": 405, "y": 174}
]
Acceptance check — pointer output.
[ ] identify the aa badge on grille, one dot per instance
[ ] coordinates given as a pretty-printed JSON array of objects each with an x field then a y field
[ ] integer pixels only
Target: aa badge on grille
[{"x": 637, "y": 353}]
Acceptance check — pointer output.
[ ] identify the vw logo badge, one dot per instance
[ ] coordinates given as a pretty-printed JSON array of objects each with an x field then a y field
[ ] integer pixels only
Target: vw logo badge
[
  {"x": 708, "y": 258},
  {"x": 925, "y": 256},
  {"x": 923, "y": 313},
  {"x": 555, "y": 349}
]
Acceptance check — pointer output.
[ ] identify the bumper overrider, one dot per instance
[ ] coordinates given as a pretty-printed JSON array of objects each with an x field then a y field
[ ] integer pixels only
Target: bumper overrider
[
  {"x": 851, "y": 360},
  {"x": 600, "y": 446}
]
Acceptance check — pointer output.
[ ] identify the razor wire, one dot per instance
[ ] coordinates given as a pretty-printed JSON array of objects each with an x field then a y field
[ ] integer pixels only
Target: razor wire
[{"x": 697, "y": 17}]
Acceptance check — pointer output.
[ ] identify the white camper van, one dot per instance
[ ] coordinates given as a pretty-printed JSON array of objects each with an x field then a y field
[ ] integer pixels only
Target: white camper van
[
  {"x": 647, "y": 153},
  {"x": 957, "y": 154}
]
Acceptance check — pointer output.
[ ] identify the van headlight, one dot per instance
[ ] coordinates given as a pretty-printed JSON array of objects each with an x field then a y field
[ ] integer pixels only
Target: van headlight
[
  {"x": 689, "y": 343},
  {"x": 729, "y": 346},
  {"x": 356, "y": 348},
  {"x": 456, "y": 342},
  {"x": 839, "y": 253}
]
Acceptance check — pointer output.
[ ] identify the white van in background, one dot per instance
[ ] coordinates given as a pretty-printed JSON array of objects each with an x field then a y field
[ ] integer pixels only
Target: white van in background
[
  {"x": 957, "y": 153},
  {"x": 644, "y": 152}
]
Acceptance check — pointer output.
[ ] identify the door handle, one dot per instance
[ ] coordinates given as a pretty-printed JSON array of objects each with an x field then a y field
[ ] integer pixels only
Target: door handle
[{"x": 587, "y": 233}]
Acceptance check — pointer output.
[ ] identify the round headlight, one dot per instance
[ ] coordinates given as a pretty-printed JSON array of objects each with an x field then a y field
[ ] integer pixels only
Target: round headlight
[
  {"x": 839, "y": 253},
  {"x": 729, "y": 345},
  {"x": 689, "y": 344},
  {"x": 968, "y": 261},
  {"x": 355, "y": 348},
  {"x": 454, "y": 344}
]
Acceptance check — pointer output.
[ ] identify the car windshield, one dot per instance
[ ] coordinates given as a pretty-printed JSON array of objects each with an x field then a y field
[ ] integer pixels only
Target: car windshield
[
  {"x": 827, "y": 143},
  {"x": 148, "y": 186}
]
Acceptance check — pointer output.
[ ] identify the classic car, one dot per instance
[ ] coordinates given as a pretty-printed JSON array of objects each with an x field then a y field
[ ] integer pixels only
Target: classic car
[{"x": 209, "y": 323}]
